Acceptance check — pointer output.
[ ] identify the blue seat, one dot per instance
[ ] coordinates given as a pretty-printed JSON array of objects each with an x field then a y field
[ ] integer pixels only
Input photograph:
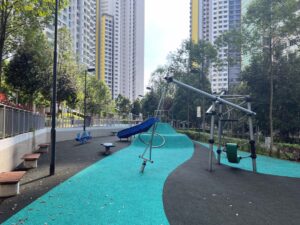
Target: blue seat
[{"x": 84, "y": 137}]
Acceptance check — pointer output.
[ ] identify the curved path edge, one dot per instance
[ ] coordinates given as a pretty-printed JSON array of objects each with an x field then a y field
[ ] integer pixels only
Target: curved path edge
[{"x": 228, "y": 196}]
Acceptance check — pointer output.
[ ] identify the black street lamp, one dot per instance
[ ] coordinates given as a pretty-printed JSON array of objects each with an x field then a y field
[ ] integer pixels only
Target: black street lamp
[
  {"x": 53, "y": 122},
  {"x": 84, "y": 113}
]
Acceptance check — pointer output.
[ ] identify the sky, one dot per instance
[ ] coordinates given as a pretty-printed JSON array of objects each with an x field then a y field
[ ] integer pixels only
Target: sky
[{"x": 166, "y": 26}]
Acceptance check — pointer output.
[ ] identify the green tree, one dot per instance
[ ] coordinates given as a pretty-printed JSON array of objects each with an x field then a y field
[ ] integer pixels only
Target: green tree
[
  {"x": 267, "y": 25},
  {"x": 123, "y": 105},
  {"x": 30, "y": 67},
  {"x": 271, "y": 21},
  {"x": 67, "y": 69},
  {"x": 150, "y": 103},
  {"x": 18, "y": 15},
  {"x": 99, "y": 100},
  {"x": 136, "y": 107}
]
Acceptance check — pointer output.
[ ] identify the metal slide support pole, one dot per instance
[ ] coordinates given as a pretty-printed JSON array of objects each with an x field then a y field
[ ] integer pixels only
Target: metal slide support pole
[
  {"x": 151, "y": 142},
  {"x": 219, "y": 151},
  {"x": 212, "y": 97},
  {"x": 211, "y": 139},
  {"x": 252, "y": 141}
]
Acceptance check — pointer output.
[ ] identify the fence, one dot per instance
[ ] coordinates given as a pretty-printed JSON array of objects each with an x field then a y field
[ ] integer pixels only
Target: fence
[
  {"x": 14, "y": 121},
  {"x": 105, "y": 122}
]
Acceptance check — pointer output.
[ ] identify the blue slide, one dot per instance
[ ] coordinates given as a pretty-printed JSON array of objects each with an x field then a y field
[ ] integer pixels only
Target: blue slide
[{"x": 142, "y": 127}]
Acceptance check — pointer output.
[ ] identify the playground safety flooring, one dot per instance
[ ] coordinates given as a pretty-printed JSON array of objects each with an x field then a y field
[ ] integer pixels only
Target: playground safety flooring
[{"x": 176, "y": 189}]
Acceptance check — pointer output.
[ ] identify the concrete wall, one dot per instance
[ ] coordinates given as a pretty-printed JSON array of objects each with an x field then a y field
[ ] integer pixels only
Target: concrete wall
[{"x": 12, "y": 149}]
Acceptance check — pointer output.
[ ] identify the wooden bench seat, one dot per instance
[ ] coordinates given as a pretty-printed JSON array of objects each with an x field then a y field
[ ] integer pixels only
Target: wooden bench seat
[
  {"x": 30, "y": 160},
  {"x": 10, "y": 183},
  {"x": 43, "y": 148},
  {"x": 107, "y": 147}
]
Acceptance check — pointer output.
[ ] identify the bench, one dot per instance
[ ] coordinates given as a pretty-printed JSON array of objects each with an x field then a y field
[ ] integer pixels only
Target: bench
[
  {"x": 30, "y": 160},
  {"x": 43, "y": 148},
  {"x": 107, "y": 147},
  {"x": 10, "y": 183}
]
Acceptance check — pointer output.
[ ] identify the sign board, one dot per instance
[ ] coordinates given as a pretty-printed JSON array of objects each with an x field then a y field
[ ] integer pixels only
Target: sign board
[{"x": 198, "y": 111}]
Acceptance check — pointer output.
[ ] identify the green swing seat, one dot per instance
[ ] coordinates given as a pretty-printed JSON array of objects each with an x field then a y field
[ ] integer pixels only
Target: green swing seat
[{"x": 231, "y": 151}]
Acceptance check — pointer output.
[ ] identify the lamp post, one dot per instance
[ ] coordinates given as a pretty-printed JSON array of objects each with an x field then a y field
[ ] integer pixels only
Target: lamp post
[
  {"x": 53, "y": 122},
  {"x": 84, "y": 113}
]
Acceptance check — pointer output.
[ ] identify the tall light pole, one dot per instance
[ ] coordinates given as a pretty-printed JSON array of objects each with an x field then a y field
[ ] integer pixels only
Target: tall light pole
[
  {"x": 53, "y": 122},
  {"x": 84, "y": 112}
]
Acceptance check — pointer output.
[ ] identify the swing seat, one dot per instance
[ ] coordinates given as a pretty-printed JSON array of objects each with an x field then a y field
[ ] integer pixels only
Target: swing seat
[
  {"x": 84, "y": 137},
  {"x": 231, "y": 152}
]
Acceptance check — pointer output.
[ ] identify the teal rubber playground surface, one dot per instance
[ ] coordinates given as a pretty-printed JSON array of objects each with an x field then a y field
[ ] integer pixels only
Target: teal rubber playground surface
[
  {"x": 265, "y": 164},
  {"x": 113, "y": 191}
]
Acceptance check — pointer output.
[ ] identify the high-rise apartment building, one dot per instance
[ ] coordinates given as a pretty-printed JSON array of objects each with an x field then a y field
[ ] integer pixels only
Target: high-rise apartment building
[
  {"x": 80, "y": 18},
  {"x": 209, "y": 19},
  {"x": 120, "y": 46}
]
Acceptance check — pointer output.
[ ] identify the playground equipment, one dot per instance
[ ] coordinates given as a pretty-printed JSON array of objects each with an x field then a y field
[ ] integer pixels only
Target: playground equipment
[
  {"x": 217, "y": 100},
  {"x": 83, "y": 137},
  {"x": 224, "y": 117},
  {"x": 142, "y": 127},
  {"x": 149, "y": 145}
]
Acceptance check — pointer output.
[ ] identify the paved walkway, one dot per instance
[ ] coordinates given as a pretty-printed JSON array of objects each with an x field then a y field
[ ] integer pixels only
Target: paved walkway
[
  {"x": 188, "y": 195},
  {"x": 229, "y": 196},
  {"x": 70, "y": 159}
]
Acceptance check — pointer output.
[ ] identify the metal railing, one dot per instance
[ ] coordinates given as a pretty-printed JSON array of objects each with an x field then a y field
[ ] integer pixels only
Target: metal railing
[
  {"x": 105, "y": 122},
  {"x": 14, "y": 121}
]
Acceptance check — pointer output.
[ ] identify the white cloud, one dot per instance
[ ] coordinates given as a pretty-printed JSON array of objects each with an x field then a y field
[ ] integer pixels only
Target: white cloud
[{"x": 166, "y": 26}]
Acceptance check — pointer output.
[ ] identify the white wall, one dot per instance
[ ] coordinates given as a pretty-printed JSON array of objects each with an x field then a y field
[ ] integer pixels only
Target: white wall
[{"x": 12, "y": 149}]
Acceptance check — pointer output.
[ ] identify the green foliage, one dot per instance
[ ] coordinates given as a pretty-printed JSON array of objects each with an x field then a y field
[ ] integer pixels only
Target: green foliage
[
  {"x": 269, "y": 76},
  {"x": 98, "y": 97},
  {"x": 150, "y": 103},
  {"x": 136, "y": 108},
  {"x": 123, "y": 105},
  {"x": 31, "y": 65},
  {"x": 288, "y": 151},
  {"x": 67, "y": 69},
  {"x": 17, "y": 16}
]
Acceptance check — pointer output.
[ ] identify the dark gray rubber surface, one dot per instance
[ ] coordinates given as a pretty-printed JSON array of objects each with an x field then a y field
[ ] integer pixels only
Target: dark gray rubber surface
[
  {"x": 227, "y": 196},
  {"x": 71, "y": 158}
]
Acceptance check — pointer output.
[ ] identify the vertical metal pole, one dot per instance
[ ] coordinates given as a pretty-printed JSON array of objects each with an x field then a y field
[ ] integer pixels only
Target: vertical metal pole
[
  {"x": 151, "y": 141},
  {"x": 84, "y": 112},
  {"x": 252, "y": 141},
  {"x": 53, "y": 131},
  {"x": 219, "y": 151},
  {"x": 211, "y": 140}
]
